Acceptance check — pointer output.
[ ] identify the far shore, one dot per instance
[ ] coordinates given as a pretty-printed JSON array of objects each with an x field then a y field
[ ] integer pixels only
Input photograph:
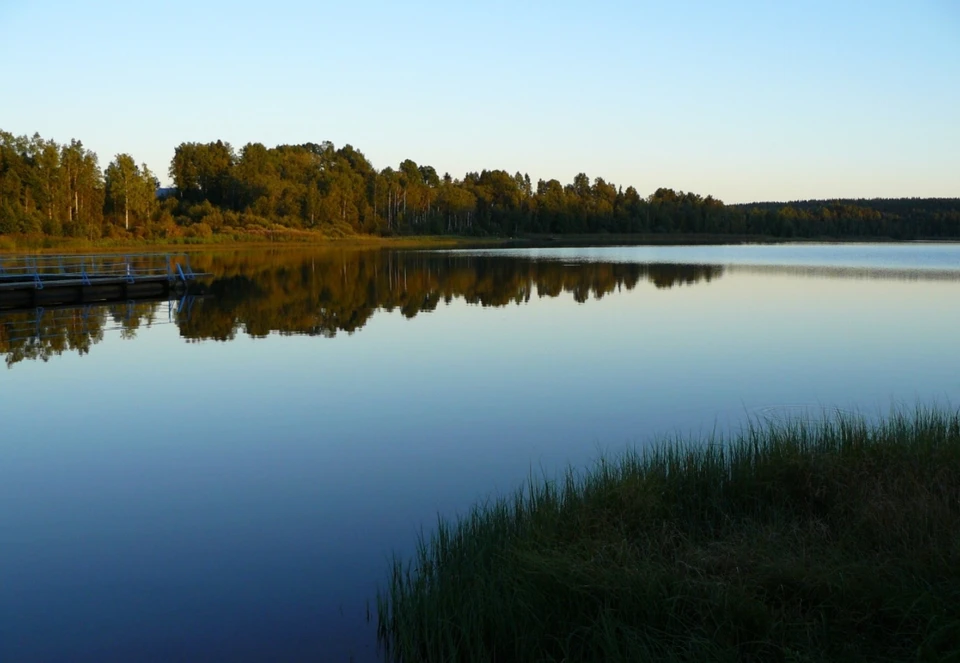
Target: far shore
[{"x": 44, "y": 244}]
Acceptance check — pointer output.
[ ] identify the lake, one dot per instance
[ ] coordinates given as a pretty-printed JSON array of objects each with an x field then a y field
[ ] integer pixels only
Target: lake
[{"x": 225, "y": 477}]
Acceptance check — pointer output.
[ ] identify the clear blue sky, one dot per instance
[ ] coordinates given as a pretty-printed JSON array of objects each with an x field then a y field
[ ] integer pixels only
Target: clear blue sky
[{"x": 745, "y": 100}]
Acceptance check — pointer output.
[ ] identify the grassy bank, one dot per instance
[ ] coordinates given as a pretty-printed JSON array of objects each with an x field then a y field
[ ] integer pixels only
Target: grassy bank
[
  {"x": 49, "y": 244},
  {"x": 830, "y": 541},
  {"x": 45, "y": 244}
]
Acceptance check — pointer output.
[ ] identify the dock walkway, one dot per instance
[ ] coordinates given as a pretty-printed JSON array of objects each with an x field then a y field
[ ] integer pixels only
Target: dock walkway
[{"x": 40, "y": 280}]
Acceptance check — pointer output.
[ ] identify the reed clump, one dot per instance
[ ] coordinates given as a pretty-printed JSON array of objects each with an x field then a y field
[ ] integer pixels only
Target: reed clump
[{"x": 828, "y": 540}]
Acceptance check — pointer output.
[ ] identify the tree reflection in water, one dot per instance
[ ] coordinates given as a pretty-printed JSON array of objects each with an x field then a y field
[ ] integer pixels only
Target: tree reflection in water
[{"x": 323, "y": 293}]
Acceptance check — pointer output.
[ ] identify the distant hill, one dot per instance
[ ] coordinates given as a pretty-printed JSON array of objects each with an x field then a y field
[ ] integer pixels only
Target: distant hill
[
  {"x": 894, "y": 218},
  {"x": 887, "y": 205}
]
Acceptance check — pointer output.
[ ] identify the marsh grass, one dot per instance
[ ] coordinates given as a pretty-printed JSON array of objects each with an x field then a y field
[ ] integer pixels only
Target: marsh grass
[{"x": 835, "y": 540}]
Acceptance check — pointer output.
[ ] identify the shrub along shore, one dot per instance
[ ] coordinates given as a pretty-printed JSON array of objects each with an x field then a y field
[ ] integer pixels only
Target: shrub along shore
[
  {"x": 834, "y": 540},
  {"x": 300, "y": 239},
  {"x": 241, "y": 240}
]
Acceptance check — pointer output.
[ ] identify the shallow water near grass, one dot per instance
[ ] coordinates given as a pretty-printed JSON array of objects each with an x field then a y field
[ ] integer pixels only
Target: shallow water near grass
[{"x": 226, "y": 477}]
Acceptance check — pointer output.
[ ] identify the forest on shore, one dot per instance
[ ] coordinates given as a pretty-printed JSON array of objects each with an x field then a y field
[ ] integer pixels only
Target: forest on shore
[{"x": 315, "y": 189}]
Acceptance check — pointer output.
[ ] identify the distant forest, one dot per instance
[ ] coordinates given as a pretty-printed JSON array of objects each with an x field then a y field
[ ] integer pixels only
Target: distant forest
[{"x": 60, "y": 191}]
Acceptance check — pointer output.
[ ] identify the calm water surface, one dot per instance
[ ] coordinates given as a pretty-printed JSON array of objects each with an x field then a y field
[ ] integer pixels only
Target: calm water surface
[{"x": 226, "y": 477}]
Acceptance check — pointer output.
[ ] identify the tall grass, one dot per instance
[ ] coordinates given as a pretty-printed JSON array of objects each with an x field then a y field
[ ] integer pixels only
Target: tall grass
[{"x": 835, "y": 540}]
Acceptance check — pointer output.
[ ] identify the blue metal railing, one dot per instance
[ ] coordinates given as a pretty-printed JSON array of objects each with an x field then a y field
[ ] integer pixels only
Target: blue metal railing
[{"x": 38, "y": 271}]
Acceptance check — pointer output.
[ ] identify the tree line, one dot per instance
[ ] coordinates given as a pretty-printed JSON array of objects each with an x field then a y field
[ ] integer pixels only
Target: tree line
[{"x": 60, "y": 190}]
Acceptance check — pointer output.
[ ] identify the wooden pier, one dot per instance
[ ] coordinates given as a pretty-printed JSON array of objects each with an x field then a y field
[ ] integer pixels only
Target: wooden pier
[{"x": 44, "y": 280}]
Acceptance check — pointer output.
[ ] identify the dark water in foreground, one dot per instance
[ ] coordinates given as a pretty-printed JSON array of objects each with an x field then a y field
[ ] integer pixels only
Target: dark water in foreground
[{"x": 225, "y": 479}]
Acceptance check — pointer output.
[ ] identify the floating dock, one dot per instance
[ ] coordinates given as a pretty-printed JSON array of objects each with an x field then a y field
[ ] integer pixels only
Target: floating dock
[{"x": 44, "y": 280}]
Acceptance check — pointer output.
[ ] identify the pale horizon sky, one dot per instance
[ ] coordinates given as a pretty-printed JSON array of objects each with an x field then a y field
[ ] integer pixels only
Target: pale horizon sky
[{"x": 745, "y": 100}]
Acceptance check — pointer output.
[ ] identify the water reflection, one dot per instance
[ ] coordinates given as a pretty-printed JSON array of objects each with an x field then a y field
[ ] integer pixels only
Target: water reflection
[
  {"x": 860, "y": 273},
  {"x": 42, "y": 333},
  {"x": 321, "y": 294},
  {"x": 175, "y": 498}
]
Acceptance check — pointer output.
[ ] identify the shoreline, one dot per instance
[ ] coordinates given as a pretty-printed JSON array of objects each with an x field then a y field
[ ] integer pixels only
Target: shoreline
[
  {"x": 44, "y": 245},
  {"x": 832, "y": 539}
]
